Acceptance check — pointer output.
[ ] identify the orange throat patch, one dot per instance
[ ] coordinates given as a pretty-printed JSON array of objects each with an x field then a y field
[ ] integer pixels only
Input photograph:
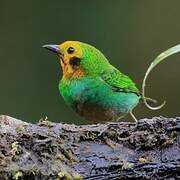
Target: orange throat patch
[{"x": 69, "y": 72}]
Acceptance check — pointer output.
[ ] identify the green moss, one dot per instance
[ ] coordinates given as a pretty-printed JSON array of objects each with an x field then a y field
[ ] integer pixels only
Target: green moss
[{"x": 18, "y": 175}]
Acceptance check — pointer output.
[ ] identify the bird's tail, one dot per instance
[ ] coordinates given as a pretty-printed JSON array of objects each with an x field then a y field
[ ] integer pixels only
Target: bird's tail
[{"x": 155, "y": 62}]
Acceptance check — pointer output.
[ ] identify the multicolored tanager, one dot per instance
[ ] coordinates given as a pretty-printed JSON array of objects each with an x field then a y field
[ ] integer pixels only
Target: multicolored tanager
[{"x": 93, "y": 87}]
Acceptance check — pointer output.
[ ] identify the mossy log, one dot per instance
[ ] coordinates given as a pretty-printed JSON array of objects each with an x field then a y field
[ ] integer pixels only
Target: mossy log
[{"x": 117, "y": 150}]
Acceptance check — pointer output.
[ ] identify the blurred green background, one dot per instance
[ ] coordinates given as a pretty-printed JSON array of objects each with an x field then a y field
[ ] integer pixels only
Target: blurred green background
[{"x": 130, "y": 33}]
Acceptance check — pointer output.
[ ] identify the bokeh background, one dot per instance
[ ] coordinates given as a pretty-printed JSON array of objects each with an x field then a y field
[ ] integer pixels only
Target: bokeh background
[{"x": 130, "y": 33}]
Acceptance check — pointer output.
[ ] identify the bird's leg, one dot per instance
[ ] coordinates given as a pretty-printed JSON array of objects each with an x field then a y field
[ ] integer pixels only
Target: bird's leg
[{"x": 132, "y": 115}]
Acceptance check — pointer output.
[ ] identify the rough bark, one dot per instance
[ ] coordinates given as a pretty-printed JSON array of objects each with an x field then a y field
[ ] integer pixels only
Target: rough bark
[{"x": 122, "y": 150}]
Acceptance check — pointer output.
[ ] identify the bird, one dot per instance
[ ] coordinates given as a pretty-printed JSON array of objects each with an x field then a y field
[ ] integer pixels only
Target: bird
[{"x": 93, "y": 87}]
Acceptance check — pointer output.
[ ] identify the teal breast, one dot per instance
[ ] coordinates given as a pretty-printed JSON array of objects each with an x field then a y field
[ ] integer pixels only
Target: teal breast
[{"x": 92, "y": 98}]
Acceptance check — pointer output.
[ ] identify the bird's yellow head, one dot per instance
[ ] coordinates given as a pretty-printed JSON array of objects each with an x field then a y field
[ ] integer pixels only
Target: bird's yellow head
[{"x": 78, "y": 59}]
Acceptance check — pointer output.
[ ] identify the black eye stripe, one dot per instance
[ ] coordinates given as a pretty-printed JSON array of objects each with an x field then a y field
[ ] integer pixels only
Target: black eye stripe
[
  {"x": 74, "y": 61},
  {"x": 70, "y": 50}
]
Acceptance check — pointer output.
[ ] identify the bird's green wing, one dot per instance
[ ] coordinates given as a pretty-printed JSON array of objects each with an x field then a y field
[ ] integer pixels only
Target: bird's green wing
[{"x": 118, "y": 81}]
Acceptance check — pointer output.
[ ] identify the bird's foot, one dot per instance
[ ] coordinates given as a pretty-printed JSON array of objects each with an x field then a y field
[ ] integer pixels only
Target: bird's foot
[{"x": 132, "y": 115}]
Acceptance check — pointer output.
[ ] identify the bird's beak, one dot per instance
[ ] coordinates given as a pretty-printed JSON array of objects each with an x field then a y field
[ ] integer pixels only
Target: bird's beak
[{"x": 54, "y": 48}]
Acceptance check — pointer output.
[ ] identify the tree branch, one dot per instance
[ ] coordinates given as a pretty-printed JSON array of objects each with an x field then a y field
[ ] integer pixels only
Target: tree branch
[{"x": 119, "y": 150}]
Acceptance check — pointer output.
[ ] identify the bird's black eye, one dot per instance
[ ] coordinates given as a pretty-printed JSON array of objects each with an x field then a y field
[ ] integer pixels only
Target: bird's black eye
[
  {"x": 70, "y": 50},
  {"x": 74, "y": 61}
]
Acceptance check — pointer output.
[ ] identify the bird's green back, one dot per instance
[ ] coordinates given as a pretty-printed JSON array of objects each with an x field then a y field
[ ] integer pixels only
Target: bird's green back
[{"x": 96, "y": 64}]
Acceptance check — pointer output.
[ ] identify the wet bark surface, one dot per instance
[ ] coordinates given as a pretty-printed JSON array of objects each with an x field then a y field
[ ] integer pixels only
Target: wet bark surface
[{"x": 122, "y": 150}]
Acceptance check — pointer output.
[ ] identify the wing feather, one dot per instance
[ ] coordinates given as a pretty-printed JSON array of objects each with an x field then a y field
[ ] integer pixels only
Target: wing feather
[{"x": 118, "y": 81}]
